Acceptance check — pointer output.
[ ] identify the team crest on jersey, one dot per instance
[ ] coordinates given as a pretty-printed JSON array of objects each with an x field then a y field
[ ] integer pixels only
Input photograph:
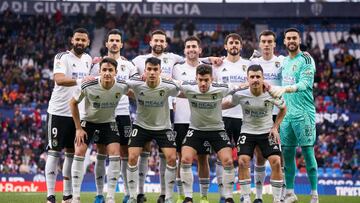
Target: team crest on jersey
[
  {"x": 214, "y": 96},
  {"x": 162, "y": 93},
  {"x": 224, "y": 70},
  {"x": 194, "y": 96},
  {"x": 247, "y": 103},
  {"x": 165, "y": 60},
  {"x": 184, "y": 73},
  {"x": 142, "y": 94},
  {"x": 122, "y": 67},
  {"x": 267, "y": 103},
  {"x": 170, "y": 136},
  {"x": 294, "y": 67},
  {"x": 74, "y": 65},
  {"x": 277, "y": 64},
  {"x": 87, "y": 64},
  {"x": 117, "y": 95},
  {"x": 244, "y": 68}
]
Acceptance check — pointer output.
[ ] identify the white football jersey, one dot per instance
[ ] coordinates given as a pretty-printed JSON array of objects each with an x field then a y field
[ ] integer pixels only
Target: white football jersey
[
  {"x": 206, "y": 107},
  {"x": 257, "y": 111},
  {"x": 152, "y": 111},
  {"x": 232, "y": 73},
  {"x": 186, "y": 73},
  {"x": 73, "y": 67},
  {"x": 100, "y": 103},
  {"x": 168, "y": 60},
  {"x": 272, "y": 71}
]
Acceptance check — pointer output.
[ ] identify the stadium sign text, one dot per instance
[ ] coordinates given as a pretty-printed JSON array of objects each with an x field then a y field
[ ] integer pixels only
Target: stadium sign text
[{"x": 73, "y": 8}]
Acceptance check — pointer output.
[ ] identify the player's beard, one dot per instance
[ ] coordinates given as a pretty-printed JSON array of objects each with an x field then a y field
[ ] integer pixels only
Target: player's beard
[
  {"x": 157, "y": 49},
  {"x": 294, "y": 49},
  {"x": 234, "y": 52},
  {"x": 79, "y": 49}
]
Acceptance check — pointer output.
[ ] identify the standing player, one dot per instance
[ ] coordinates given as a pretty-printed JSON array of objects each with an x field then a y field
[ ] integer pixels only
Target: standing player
[
  {"x": 206, "y": 125},
  {"x": 271, "y": 65},
  {"x": 125, "y": 70},
  {"x": 298, "y": 127},
  {"x": 187, "y": 72},
  {"x": 258, "y": 130},
  {"x": 101, "y": 97},
  {"x": 152, "y": 123},
  {"x": 232, "y": 71},
  {"x": 158, "y": 45},
  {"x": 70, "y": 68}
]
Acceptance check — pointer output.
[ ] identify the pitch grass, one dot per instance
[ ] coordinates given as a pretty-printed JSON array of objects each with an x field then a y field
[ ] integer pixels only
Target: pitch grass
[{"x": 87, "y": 197}]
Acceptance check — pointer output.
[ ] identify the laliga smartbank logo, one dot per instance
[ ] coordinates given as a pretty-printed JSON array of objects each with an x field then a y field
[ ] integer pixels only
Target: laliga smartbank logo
[{"x": 18, "y": 187}]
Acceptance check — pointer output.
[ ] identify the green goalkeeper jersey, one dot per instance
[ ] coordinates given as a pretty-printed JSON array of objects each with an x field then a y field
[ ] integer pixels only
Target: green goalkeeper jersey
[{"x": 299, "y": 71}]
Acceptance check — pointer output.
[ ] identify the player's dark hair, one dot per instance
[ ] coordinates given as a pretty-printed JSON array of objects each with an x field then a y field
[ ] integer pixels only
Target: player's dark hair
[
  {"x": 153, "y": 60},
  {"x": 81, "y": 30},
  {"x": 234, "y": 36},
  {"x": 292, "y": 29},
  {"x": 267, "y": 33},
  {"x": 193, "y": 38},
  {"x": 255, "y": 67},
  {"x": 158, "y": 32},
  {"x": 113, "y": 32},
  {"x": 109, "y": 61},
  {"x": 203, "y": 69}
]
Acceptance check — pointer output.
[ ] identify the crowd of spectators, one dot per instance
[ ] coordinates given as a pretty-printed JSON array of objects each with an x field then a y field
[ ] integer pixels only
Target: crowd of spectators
[{"x": 26, "y": 59}]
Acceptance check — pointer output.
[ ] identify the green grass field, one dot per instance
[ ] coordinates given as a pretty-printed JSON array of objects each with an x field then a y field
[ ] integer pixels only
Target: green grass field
[{"x": 213, "y": 198}]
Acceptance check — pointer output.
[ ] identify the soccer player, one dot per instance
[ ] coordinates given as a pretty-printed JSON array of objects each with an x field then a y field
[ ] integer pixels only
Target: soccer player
[
  {"x": 271, "y": 65},
  {"x": 152, "y": 123},
  {"x": 187, "y": 72},
  {"x": 258, "y": 130},
  {"x": 70, "y": 68},
  {"x": 232, "y": 71},
  {"x": 125, "y": 69},
  {"x": 298, "y": 127},
  {"x": 158, "y": 45},
  {"x": 206, "y": 125},
  {"x": 101, "y": 97}
]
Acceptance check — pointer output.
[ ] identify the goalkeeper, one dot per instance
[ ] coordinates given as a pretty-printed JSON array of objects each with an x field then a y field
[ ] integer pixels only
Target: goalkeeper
[{"x": 298, "y": 126}]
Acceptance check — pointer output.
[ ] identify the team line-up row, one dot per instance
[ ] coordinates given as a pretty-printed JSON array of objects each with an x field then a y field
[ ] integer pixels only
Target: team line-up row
[{"x": 237, "y": 100}]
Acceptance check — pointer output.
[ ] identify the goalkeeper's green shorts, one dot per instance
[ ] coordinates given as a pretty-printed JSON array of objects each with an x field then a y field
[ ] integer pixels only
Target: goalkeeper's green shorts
[{"x": 297, "y": 133}]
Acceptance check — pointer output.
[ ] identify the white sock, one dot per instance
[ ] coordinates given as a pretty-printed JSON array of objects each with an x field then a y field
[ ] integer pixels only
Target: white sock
[
  {"x": 143, "y": 169},
  {"x": 219, "y": 174},
  {"x": 314, "y": 192},
  {"x": 276, "y": 186},
  {"x": 113, "y": 174},
  {"x": 289, "y": 191},
  {"x": 77, "y": 172},
  {"x": 162, "y": 166},
  {"x": 187, "y": 179},
  {"x": 228, "y": 181},
  {"x": 170, "y": 176},
  {"x": 283, "y": 188},
  {"x": 133, "y": 180},
  {"x": 180, "y": 187},
  {"x": 100, "y": 173},
  {"x": 204, "y": 186},
  {"x": 51, "y": 171},
  {"x": 66, "y": 171},
  {"x": 259, "y": 179},
  {"x": 245, "y": 188},
  {"x": 124, "y": 163}
]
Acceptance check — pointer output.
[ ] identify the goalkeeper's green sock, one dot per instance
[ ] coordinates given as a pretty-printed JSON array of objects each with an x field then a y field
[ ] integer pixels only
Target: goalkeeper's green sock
[
  {"x": 289, "y": 163},
  {"x": 311, "y": 166}
]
